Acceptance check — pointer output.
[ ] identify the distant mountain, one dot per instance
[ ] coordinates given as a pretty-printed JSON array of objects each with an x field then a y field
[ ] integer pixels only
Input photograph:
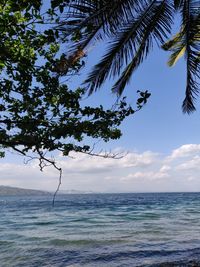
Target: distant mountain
[{"x": 15, "y": 191}]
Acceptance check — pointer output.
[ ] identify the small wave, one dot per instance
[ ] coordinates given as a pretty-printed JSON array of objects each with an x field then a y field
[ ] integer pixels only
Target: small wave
[
  {"x": 64, "y": 242},
  {"x": 81, "y": 242},
  {"x": 4, "y": 243},
  {"x": 150, "y": 258},
  {"x": 189, "y": 263},
  {"x": 45, "y": 223}
]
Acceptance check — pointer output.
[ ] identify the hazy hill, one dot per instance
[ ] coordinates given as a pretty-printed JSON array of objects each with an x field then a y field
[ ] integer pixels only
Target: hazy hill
[{"x": 15, "y": 191}]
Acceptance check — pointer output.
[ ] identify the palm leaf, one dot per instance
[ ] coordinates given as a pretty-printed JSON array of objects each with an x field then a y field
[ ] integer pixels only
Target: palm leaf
[
  {"x": 178, "y": 4},
  {"x": 187, "y": 42},
  {"x": 157, "y": 27},
  {"x": 153, "y": 23},
  {"x": 132, "y": 28},
  {"x": 176, "y": 55},
  {"x": 103, "y": 17},
  {"x": 176, "y": 46}
]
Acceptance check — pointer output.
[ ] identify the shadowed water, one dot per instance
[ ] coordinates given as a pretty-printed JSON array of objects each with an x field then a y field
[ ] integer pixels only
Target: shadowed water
[{"x": 101, "y": 230}]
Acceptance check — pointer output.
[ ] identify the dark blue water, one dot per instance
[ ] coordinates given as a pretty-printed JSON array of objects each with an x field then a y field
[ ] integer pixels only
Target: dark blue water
[{"x": 101, "y": 230}]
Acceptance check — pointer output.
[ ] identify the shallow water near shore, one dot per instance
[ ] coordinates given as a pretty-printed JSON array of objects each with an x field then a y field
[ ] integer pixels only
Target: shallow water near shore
[{"x": 155, "y": 229}]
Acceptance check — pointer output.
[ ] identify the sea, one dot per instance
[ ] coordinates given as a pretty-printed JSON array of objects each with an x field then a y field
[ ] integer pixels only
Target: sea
[{"x": 108, "y": 230}]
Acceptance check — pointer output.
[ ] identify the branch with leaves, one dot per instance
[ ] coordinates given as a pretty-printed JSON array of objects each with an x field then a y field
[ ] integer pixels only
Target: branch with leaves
[
  {"x": 39, "y": 114},
  {"x": 38, "y": 111}
]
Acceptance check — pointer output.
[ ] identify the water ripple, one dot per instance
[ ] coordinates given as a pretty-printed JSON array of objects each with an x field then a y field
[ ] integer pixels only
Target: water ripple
[{"x": 112, "y": 230}]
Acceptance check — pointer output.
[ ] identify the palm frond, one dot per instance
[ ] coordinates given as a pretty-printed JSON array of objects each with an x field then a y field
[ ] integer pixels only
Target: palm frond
[
  {"x": 191, "y": 26},
  {"x": 178, "y": 4},
  {"x": 103, "y": 18},
  {"x": 176, "y": 46},
  {"x": 132, "y": 28},
  {"x": 111, "y": 13},
  {"x": 119, "y": 86},
  {"x": 176, "y": 55},
  {"x": 187, "y": 43},
  {"x": 173, "y": 42},
  {"x": 133, "y": 43}
]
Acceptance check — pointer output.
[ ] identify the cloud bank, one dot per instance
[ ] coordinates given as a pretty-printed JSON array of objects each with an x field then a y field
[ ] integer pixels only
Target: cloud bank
[{"x": 148, "y": 171}]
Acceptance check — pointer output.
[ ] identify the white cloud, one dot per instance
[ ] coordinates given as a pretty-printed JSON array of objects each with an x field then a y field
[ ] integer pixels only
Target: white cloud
[
  {"x": 146, "y": 171},
  {"x": 185, "y": 151},
  {"x": 139, "y": 160},
  {"x": 165, "y": 168},
  {"x": 137, "y": 175},
  {"x": 82, "y": 163},
  {"x": 193, "y": 164},
  {"x": 145, "y": 176},
  {"x": 191, "y": 178}
]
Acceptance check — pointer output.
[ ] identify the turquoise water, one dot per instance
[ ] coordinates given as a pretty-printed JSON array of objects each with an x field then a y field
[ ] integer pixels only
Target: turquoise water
[{"x": 101, "y": 230}]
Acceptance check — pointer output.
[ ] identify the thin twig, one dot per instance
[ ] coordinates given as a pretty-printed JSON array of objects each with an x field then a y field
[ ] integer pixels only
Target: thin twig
[{"x": 58, "y": 187}]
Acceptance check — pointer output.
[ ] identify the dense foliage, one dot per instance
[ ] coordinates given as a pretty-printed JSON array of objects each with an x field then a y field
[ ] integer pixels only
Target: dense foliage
[
  {"x": 38, "y": 112},
  {"x": 132, "y": 28}
]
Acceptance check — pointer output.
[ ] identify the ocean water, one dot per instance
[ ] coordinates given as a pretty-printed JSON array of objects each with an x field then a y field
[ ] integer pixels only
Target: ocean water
[{"x": 101, "y": 230}]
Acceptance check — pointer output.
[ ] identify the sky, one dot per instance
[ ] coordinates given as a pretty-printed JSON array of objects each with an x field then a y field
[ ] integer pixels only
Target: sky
[{"x": 160, "y": 144}]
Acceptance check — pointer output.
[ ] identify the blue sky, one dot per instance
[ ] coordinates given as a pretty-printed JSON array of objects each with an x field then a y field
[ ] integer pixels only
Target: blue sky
[
  {"x": 163, "y": 143},
  {"x": 160, "y": 125}
]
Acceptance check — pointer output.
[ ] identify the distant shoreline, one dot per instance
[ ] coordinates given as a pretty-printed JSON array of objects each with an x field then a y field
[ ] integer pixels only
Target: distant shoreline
[{"x": 16, "y": 191}]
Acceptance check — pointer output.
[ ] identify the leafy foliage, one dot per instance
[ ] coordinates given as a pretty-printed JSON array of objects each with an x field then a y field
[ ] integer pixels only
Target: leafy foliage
[
  {"x": 187, "y": 42},
  {"x": 132, "y": 28},
  {"x": 38, "y": 112}
]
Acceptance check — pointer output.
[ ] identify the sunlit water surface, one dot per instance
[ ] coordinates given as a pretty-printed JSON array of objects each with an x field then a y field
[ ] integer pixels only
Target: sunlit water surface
[{"x": 100, "y": 230}]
